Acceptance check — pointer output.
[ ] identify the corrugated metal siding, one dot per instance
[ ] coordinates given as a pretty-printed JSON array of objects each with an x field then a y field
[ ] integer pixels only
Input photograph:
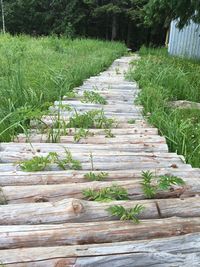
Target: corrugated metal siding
[{"x": 185, "y": 42}]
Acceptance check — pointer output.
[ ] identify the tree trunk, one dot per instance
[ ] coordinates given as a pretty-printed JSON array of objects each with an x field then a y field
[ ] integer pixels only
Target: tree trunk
[
  {"x": 128, "y": 40},
  {"x": 3, "y": 17},
  {"x": 114, "y": 27}
]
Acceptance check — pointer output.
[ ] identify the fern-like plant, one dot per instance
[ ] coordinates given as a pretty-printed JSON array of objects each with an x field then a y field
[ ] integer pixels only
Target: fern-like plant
[
  {"x": 123, "y": 214},
  {"x": 93, "y": 97},
  {"x": 148, "y": 189},
  {"x": 90, "y": 119},
  {"x": 114, "y": 192},
  {"x": 41, "y": 163},
  {"x": 151, "y": 184},
  {"x": 91, "y": 176},
  {"x": 35, "y": 164},
  {"x": 109, "y": 134},
  {"x": 81, "y": 133}
]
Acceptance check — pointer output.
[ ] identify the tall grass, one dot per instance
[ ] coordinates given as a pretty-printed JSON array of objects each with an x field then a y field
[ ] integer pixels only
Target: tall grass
[
  {"x": 163, "y": 79},
  {"x": 36, "y": 71}
]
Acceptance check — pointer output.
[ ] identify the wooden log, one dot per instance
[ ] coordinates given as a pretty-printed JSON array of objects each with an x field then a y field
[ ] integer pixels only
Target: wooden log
[
  {"x": 18, "y": 178},
  {"x": 82, "y": 108},
  {"x": 72, "y": 210},
  {"x": 96, "y": 232},
  {"x": 172, "y": 251},
  {"x": 49, "y": 193},
  {"x": 165, "y": 252},
  {"x": 97, "y": 132},
  {"x": 103, "y": 155},
  {"x": 46, "y": 148},
  {"x": 99, "y": 163},
  {"x": 75, "y": 210},
  {"x": 124, "y": 139},
  {"x": 118, "y": 118}
]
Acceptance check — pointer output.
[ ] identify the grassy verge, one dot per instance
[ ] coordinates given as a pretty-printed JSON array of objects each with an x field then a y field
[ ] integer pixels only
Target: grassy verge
[
  {"x": 36, "y": 71},
  {"x": 163, "y": 79}
]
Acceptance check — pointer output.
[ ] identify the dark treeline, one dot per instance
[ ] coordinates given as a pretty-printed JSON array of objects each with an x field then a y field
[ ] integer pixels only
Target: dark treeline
[
  {"x": 135, "y": 22},
  {"x": 111, "y": 20}
]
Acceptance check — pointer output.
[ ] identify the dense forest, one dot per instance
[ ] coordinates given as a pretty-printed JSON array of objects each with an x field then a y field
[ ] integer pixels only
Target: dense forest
[{"x": 135, "y": 22}]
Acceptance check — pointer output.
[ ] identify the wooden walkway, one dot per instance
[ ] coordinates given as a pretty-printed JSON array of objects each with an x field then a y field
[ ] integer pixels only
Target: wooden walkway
[{"x": 46, "y": 221}]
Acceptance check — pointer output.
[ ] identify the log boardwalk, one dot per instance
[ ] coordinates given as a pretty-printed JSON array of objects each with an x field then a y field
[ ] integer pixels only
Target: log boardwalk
[{"x": 46, "y": 219}]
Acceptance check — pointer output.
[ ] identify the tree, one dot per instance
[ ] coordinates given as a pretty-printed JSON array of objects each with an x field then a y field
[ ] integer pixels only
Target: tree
[
  {"x": 164, "y": 11},
  {"x": 3, "y": 17}
]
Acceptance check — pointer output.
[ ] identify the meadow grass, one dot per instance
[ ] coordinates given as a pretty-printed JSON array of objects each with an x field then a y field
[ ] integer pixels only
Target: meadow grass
[
  {"x": 163, "y": 78},
  {"x": 36, "y": 71}
]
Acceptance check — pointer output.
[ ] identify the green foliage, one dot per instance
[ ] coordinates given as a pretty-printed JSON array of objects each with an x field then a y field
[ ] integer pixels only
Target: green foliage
[
  {"x": 131, "y": 121},
  {"x": 166, "y": 181},
  {"x": 90, "y": 119},
  {"x": 3, "y": 200},
  {"x": 93, "y": 97},
  {"x": 123, "y": 214},
  {"x": 41, "y": 163},
  {"x": 35, "y": 164},
  {"x": 81, "y": 133},
  {"x": 37, "y": 71},
  {"x": 148, "y": 189},
  {"x": 117, "y": 19},
  {"x": 151, "y": 184},
  {"x": 109, "y": 134},
  {"x": 91, "y": 176},
  {"x": 106, "y": 194},
  {"x": 158, "y": 11},
  {"x": 71, "y": 95},
  {"x": 163, "y": 79}
]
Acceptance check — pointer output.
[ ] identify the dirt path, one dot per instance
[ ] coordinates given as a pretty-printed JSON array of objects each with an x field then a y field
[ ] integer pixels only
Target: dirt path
[{"x": 46, "y": 219}]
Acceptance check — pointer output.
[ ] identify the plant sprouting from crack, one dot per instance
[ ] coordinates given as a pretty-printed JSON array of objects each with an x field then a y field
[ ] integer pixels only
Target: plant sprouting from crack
[
  {"x": 117, "y": 71},
  {"x": 81, "y": 133},
  {"x": 151, "y": 184},
  {"x": 131, "y": 121},
  {"x": 42, "y": 163},
  {"x": 91, "y": 161},
  {"x": 91, "y": 176},
  {"x": 93, "y": 97},
  {"x": 90, "y": 119},
  {"x": 131, "y": 214},
  {"x": 114, "y": 192},
  {"x": 109, "y": 134},
  {"x": 3, "y": 200},
  {"x": 71, "y": 95}
]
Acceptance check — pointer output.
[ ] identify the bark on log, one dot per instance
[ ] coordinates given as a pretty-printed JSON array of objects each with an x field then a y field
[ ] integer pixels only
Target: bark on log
[
  {"x": 97, "y": 232},
  {"x": 126, "y": 139},
  {"x": 50, "y": 193},
  {"x": 46, "y": 148},
  {"x": 18, "y": 178},
  {"x": 75, "y": 210},
  {"x": 165, "y": 252}
]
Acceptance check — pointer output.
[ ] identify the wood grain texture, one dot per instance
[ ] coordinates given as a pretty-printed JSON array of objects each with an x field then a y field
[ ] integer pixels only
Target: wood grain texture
[
  {"x": 46, "y": 221},
  {"x": 173, "y": 251},
  {"x": 94, "y": 232}
]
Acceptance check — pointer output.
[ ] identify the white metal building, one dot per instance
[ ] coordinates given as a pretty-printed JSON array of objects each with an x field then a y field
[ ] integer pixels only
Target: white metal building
[{"x": 185, "y": 42}]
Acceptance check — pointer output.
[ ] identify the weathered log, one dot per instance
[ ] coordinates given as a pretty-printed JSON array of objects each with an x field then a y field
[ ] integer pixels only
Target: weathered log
[
  {"x": 96, "y": 232},
  {"x": 98, "y": 156},
  {"x": 45, "y": 193},
  {"x": 165, "y": 252},
  {"x": 46, "y": 148},
  {"x": 75, "y": 210},
  {"x": 97, "y": 132},
  {"x": 17, "y": 178},
  {"x": 120, "y": 139},
  {"x": 84, "y": 108},
  {"x": 72, "y": 210}
]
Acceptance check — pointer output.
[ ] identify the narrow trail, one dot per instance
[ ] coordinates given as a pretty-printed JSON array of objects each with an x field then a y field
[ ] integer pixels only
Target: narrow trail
[{"x": 46, "y": 221}]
